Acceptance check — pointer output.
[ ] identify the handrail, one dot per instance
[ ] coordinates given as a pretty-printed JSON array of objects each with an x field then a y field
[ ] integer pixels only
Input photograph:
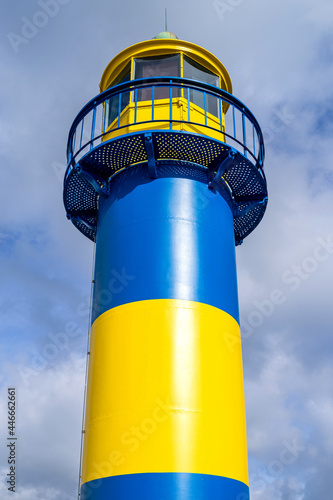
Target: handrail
[{"x": 174, "y": 82}]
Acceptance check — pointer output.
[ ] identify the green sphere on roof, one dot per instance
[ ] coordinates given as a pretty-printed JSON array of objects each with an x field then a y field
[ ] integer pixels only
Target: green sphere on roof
[{"x": 166, "y": 34}]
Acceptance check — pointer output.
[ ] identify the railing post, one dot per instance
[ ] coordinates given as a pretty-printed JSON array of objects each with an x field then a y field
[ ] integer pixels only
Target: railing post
[
  {"x": 81, "y": 132},
  {"x": 135, "y": 104},
  {"x": 221, "y": 114},
  {"x": 170, "y": 104},
  {"x": 234, "y": 122},
  {"x": 244, "y": 133},
  {"x": 104, "y": 118},
  {"x": 119, "y": 108},
  {"x": 74, "y": 141},
  {"x": 93, "y": 128}
]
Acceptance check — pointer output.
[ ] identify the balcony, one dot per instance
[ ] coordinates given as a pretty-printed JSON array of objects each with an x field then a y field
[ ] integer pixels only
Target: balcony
[{"x": 159, "y": 120}]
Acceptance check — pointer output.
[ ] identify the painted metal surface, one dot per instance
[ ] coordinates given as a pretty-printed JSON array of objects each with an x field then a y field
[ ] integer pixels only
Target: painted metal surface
[
  {"x": 164, "y": 239},
  {"x": 166, "y": 189},
  {"x": 166, "y": 487},
  {"x": 167, "y": 239},
  {"x": 165, "y": 369},
  {"x": 161, "y": 47},
  {"x": 165, "y": 392}
]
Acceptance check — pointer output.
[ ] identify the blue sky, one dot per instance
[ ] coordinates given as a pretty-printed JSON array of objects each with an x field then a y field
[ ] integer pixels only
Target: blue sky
[{"x": 279, "y": 56}]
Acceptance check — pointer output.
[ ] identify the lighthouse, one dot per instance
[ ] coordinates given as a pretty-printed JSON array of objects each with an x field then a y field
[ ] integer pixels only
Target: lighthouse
[{"x": 165, "y": 176}]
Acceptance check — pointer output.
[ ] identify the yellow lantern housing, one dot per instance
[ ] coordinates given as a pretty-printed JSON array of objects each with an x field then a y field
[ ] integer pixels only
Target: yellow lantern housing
[{"x": 165, "y": 57}]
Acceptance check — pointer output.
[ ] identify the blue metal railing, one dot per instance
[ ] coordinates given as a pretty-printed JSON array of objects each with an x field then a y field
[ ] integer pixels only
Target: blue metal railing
[{"x": 237, "y": 122}]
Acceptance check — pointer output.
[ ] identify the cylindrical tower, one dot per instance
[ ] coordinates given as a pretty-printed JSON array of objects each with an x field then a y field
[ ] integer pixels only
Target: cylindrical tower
[{"x": 166, "y": 182}]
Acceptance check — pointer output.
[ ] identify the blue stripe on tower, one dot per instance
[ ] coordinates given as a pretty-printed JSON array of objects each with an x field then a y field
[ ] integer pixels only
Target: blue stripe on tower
[
  {"x": 167, "y": 486},
  {"x": 168, "y": 238}
]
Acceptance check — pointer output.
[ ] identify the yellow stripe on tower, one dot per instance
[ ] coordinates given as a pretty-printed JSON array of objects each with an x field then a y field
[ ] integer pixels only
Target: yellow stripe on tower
[{"x": 165, "y": 392}]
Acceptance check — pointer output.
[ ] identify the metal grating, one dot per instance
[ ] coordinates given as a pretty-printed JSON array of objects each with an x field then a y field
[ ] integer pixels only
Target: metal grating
[
  {"x": 197, "y": 173},
  {"x": 89, "y": 233},
  {"x": 188, "y": 147},
  {"x": 79, "y": 195},
  {"x": 245, "y": 224},
  {"x": 177, "y": 154},
  {"x": 243, "y": 179},
  {"x": 111, "y": 156}
]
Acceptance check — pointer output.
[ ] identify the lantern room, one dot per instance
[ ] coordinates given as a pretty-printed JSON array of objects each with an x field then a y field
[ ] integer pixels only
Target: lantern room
[{"x": 166, "y": 69}]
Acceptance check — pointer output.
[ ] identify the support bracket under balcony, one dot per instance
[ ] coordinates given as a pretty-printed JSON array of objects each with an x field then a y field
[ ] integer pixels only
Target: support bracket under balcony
[
  {"x": 251, "y": 204},
  {"x": 224, "y": 165},
  {"x": 80, "y": 220},
  {"x": 94, "y": 180},
  {"x": 150, "y": 156}
]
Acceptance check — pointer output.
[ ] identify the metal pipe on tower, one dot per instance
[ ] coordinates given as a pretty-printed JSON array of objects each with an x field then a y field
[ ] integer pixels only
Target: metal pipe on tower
[{"x": 166, "y": 183}]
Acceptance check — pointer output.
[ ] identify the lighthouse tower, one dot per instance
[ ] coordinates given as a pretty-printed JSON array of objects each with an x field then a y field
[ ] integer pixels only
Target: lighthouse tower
[{"x": 165, "y": 175}]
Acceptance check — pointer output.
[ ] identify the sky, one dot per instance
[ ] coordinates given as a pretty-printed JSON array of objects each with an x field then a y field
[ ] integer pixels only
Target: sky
[{"x": 280, "y": 59}]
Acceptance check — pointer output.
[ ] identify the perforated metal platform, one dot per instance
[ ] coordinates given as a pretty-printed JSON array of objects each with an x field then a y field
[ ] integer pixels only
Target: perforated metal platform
[{"x": 167, "y": 154}]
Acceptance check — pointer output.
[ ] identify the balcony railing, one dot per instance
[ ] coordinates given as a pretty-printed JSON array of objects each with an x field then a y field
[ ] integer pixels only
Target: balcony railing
[{"x": 96, "y": 123}]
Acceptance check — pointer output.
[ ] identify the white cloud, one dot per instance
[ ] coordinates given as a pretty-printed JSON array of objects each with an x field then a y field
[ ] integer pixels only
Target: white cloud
[{"x": 48, "y": 424}]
